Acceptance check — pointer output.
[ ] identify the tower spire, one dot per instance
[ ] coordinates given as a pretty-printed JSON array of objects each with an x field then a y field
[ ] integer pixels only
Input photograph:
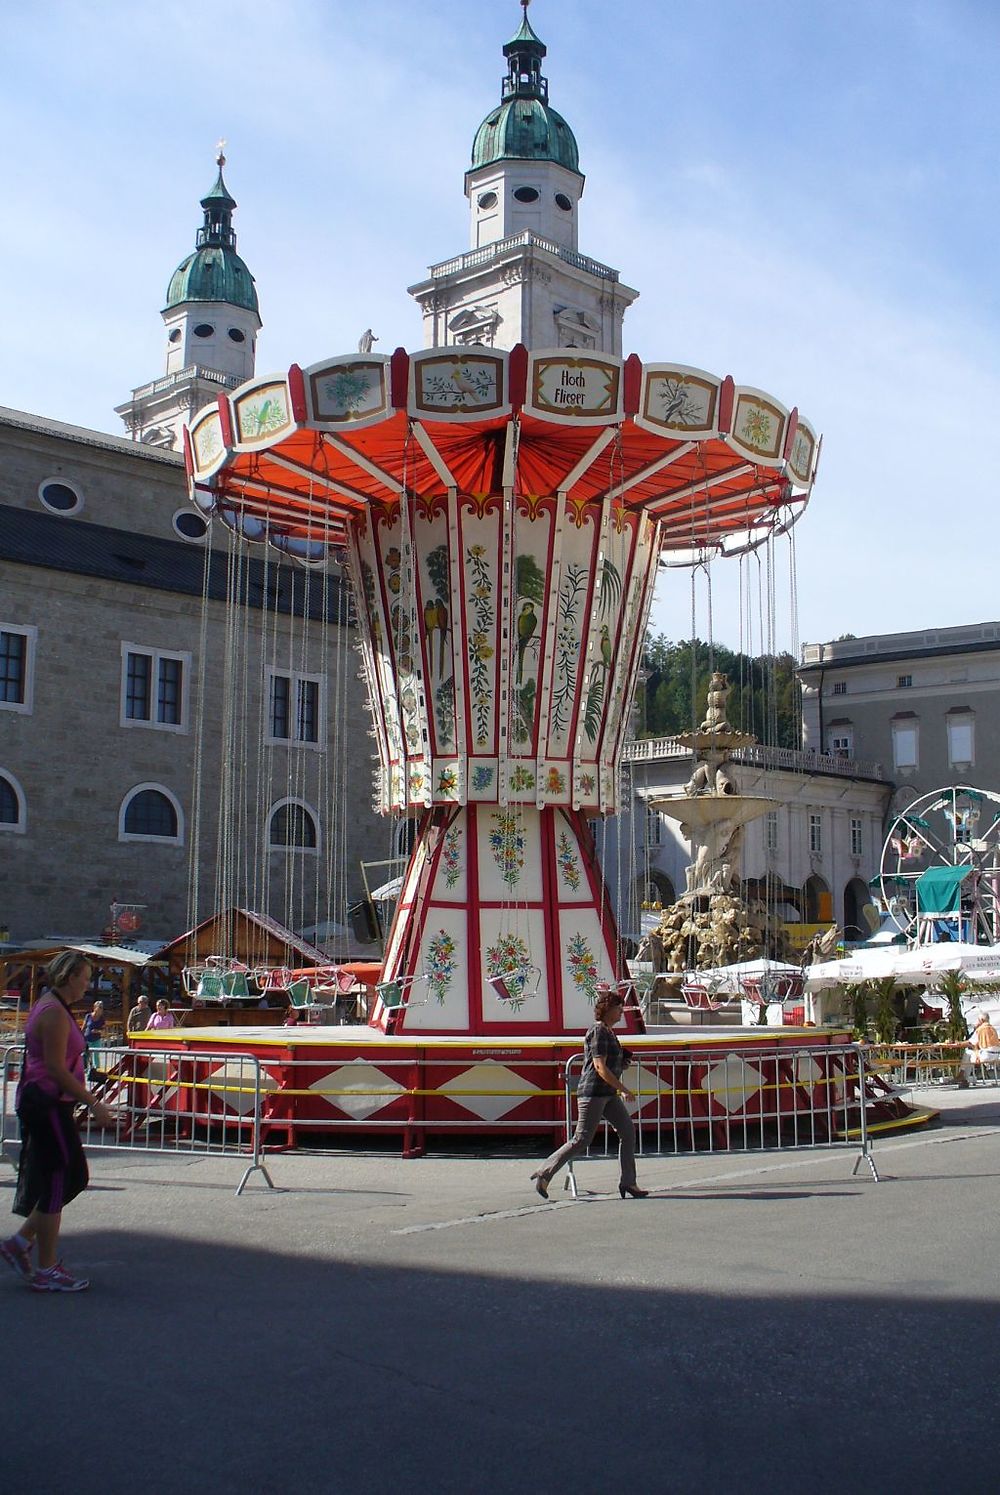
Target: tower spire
[{"x": 524, "y": 53}]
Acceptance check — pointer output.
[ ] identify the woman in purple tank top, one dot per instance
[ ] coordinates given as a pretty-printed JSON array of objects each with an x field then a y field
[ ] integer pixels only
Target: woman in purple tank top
[{"x": 52, "y": 1169}]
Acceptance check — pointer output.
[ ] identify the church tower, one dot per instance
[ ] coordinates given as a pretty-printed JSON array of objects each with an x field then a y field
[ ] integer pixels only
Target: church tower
[
  {"x": 212, "y": 321},
  {"x": 524, "y": 280}
]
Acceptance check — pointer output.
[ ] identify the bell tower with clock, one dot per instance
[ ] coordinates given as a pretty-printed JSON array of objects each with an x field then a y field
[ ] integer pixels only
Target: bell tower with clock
[{"x": 523, "y": 279}]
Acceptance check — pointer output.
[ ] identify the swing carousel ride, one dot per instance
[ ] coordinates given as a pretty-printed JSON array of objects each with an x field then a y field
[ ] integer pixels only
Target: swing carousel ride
[{"x": 501, "y": 517}]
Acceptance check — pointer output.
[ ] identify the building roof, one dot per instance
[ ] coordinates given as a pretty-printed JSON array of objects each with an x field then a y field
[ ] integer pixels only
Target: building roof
[
  {"x": 524, "y": 126},
  {"x": 214, "y": 271},
  {"x": 899, "y": 647},
  {"x": 41, "y": 425},
  {"x": 56, "y": 543}
]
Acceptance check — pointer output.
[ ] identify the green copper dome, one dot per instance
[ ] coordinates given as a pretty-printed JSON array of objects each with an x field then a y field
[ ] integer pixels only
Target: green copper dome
[
  {"x": 214, "y": 272},
  {"x": 525, "y": 127}
]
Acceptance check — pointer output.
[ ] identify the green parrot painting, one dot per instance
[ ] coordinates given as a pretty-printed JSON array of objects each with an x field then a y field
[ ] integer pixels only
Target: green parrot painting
[{"x": 527, "y": 622}]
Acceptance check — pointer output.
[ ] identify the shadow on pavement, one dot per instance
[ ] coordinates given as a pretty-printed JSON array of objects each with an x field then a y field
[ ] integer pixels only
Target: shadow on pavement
[{"x": 238, "y": 1369}]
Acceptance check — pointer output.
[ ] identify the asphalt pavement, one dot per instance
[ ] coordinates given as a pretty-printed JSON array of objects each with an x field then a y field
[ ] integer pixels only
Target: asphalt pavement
[{"x": 761, "y": 1323}]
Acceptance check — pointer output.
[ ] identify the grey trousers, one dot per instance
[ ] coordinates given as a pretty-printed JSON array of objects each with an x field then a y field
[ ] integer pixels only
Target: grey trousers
[{"x": 613, "y": 1109}]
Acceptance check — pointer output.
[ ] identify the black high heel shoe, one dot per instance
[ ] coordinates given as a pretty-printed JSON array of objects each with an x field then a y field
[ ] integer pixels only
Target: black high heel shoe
[
  {"x": 633, "y": 1192},
  {"x": 541, "y": 1184}
]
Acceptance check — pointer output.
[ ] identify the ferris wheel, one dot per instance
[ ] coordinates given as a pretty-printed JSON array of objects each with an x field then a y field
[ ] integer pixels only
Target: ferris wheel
[{"x": 939, "y": 873}]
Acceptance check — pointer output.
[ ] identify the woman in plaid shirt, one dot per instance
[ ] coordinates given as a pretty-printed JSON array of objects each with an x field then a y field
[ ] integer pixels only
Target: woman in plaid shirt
[{"x": 600, "y": 1094}]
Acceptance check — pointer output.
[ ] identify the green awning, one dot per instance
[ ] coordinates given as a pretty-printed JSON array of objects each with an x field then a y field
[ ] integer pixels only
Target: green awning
[{"x": 939, "y": 890}]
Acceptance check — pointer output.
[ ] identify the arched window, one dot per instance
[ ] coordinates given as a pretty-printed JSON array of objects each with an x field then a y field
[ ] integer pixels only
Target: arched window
[
  {"x": 150, "y": 812},
  {"x": 292, "y": 827},
  {"x": 12, "y": 809}
]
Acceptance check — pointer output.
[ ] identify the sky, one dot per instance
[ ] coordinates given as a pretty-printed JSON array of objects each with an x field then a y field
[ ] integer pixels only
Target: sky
[{"x": 804, "y": 193}]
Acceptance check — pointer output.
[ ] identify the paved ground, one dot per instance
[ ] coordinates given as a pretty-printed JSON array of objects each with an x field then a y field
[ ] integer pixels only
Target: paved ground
[{"x": 376, "y": 1325}]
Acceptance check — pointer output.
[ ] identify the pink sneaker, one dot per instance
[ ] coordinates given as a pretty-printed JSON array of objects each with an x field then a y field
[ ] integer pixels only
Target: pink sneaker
[
  {"x": 17, "y": 1258},
  {"x": 57, "y": 1280}
]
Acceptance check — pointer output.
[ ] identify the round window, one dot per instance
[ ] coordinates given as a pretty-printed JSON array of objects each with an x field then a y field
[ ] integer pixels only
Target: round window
[
  {"x": 562, "y": 201},
  {"x": 189, "y": 525},
  {"x": 487, "y": 200},
  {"x": 236, "y": 335},
  {"x": 175, "y": 336},
  {"x": 60, "y": 497},
  {"x": 204, "y": 329},
  {"x": 526, "y": 194}
]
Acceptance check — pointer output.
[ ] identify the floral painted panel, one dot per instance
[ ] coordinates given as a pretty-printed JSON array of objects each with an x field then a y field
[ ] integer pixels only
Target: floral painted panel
[
  {"x": 581, "y": 966},
  {"x": 349, "y": 391},
  {"x": 465, "y": 383},
  {"x": 481, "y": 605},
  {"x": 507, "y": 842},
  {"x": 436, "y": 622},
  {"x": 451, "y": 856},
  {"x": 759, "y": 425},
  {"x": 568, "y": 861},
  {"x": 440, "y": 966}
]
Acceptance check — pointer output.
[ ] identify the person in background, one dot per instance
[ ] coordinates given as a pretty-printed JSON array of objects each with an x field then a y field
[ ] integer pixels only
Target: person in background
[
  {"x": 139, "y": 1017},
  {"x": 93, "y": 1030},
  {"x": 52, "y": 1169},
  {"x": 162, "y": 1017},
  {"x": 984, "y": 1048},
  {"x": 600, "y": 1095}
]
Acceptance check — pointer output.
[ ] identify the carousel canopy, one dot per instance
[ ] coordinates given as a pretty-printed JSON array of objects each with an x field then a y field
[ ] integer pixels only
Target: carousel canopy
[{"x": 294, "y": 459}]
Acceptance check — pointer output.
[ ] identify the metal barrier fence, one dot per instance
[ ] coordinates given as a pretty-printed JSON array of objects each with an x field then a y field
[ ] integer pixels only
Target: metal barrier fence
[
  {"x": 769, "y": 1100},
  {"x": 237, "y": 1105},
  {"x": 164, "y": 1101}
]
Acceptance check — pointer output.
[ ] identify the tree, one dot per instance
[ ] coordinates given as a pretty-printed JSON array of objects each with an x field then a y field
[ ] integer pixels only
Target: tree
[{"x": 673, "y": 691}]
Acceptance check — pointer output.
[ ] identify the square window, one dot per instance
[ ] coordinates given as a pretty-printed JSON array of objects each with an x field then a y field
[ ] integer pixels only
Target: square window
[
  {"x": 903, "y": 682},
  {"x": 840, "y": 687},
  {"x": 17, "y": 655},
  {"x": 295, "y": 708},
  {"x": 904, "y": 745},
  {"x": 961, "y": 741},
  {"x": 154, "y": 688}
]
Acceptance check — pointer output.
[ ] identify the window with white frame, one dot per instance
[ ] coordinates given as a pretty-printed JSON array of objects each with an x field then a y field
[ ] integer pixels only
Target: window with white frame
[
  {"x": 17, "y": 667},
  {"x": 149, "y": 812},
  {"x": 905, "y": 742},
  {"x": 154, "y": 690},
  {"x": 294, "y": 707},
  {"x": 654, "y": 827},
  {"x": 815, "y": 834},
  {"x": 771, "y": 830},
  {"x": 857, "y": 843},
  {"x": 904, "y": 682},
  {"x": 961, "y": 739},
  {"x": 12, "y": 804},
  {"x": 840, "y": 739},
  {"x": 292, "y": 826},
  {"x": 840, "y": 687}
]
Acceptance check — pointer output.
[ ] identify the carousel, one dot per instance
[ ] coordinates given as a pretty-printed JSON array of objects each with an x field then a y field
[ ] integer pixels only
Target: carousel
[{"x": 502, "y": 518}]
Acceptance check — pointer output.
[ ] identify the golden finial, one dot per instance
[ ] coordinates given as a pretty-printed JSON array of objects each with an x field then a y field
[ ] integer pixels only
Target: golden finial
[{"x": 220, "y": 159}]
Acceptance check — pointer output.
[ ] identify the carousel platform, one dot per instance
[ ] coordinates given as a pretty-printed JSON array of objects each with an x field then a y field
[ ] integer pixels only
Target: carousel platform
[{"x": 700, "y": 1086}]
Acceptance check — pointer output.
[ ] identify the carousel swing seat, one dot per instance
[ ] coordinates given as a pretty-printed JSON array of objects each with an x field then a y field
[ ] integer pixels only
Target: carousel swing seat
[
  {"x": 398, "y": 992},
  {"x": 515, "y": 985}
]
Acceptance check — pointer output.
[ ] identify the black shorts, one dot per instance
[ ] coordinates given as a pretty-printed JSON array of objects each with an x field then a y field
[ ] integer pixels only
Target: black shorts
[{"x": 52, "y": 1169}]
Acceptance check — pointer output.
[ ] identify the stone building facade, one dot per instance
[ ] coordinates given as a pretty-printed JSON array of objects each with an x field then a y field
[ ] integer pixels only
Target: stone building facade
[
  {"x": 166, "y": 727},
  {"x": 926, "y": 704}
]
